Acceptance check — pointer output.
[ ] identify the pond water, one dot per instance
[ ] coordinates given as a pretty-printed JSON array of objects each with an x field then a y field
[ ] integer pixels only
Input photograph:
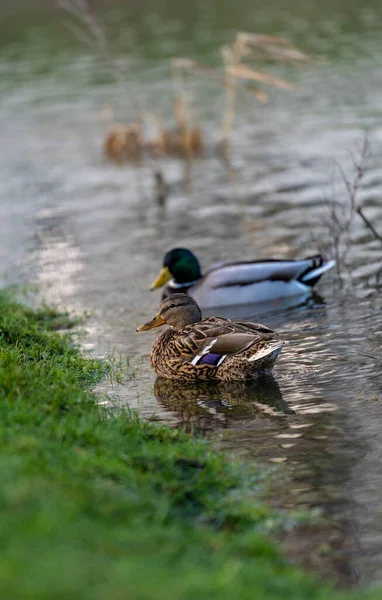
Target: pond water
[{"x": 92, "y": 237}]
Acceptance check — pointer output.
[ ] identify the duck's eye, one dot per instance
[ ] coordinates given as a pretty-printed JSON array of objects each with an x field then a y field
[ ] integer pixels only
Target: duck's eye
[{"x": 172, "y": 305}]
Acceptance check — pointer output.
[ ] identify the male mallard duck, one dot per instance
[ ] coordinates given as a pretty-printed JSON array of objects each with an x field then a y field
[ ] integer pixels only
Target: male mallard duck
[
  {"x": 192, "y": 348},
  {"x": 228, "y": 284}
]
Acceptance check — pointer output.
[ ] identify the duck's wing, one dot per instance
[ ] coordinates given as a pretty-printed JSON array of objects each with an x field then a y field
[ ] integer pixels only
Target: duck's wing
[
  {"x": 307, "y": 270},
  {"x": 215, "y": 338}
]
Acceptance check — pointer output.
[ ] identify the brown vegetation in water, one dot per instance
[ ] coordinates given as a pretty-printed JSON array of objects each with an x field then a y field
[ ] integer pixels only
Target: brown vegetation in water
[
  {"x": 184, "y": 138},
  {"x": 124, "y": 143},
  {"x": 250, "y": 48}
]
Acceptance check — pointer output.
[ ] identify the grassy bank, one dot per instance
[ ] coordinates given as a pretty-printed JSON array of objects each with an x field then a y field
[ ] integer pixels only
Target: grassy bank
[{"x": 96, "y": 507}]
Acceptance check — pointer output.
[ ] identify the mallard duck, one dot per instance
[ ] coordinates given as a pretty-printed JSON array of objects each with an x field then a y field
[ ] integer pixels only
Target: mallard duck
[
  {"x": 218, "y": 349},
  {"x": 242, "y": 282}
]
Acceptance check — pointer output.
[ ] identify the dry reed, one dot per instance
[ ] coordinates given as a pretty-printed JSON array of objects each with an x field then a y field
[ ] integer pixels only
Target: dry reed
[
  {"x": 185, "y": 139},
  {"x": 339, "y": 220}
]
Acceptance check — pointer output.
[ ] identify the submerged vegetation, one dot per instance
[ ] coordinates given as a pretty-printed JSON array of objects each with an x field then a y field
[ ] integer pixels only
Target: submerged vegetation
[{"x": 100, "y": 505}]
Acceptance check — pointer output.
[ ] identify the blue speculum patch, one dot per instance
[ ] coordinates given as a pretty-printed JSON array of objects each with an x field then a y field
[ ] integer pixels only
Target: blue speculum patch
[{"x": 210, "y": 359}]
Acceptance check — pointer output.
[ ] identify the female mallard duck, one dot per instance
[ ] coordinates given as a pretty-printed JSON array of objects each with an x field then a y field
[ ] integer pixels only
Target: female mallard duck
[
  {"x": 192, "y": 348},
  {"x": 239, "y": 282}
]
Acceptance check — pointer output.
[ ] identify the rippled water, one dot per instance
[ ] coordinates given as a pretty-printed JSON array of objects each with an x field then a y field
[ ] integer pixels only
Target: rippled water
[{"x": 92, "y": 237}]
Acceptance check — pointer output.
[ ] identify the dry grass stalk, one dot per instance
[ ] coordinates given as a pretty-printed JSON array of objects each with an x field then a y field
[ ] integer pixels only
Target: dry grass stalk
[
  {"x": 124, "y": 143},
  {"x": 188, "y": 140},
  {"x": 272, "y": 48},
  {"x": 251, "y": 46},
  {"x": 230, "y": 61},
  {"x": 368, "y": 223},
  {"x": 88, "y": 28},
  {"x": 260, "y": 94},
  {"x": 340, "y": 216},
  {"x": 184, "y": 138},
  {"x": 163, "y": 143},
  {"x": 181, "y": 114},
  {"x": 160, "y": 188},
  {"x": 171, "y": 143},
  {"x": 243, "y": 71},
  {"x": 244, "y": 47},
  {"x": 188, "y": 65}
]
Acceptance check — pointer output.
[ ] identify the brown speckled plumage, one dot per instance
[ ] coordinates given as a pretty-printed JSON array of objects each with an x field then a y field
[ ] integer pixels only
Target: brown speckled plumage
[{"x": 245, "y": 349}]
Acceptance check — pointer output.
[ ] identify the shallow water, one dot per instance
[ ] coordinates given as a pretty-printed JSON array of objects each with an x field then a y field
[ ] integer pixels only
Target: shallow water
[{"x": 91, "y": 236}]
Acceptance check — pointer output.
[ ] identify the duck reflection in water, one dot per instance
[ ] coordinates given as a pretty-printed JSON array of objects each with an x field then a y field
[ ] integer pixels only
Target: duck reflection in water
[{"x": 203, "y": 406}]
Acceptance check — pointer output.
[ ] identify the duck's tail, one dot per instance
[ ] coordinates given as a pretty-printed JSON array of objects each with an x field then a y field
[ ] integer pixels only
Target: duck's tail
[
  {"x": 268, "y": 353},
  {"x": 317, "y": 268}
]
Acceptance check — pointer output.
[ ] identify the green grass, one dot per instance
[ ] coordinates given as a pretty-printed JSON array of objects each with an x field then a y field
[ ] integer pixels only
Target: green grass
[{"x": 99, "y": 506}]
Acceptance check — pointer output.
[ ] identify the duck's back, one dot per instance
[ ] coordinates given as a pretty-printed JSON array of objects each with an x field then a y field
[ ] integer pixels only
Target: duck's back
[
  {"x": 207, "y": 348},
  {"x": 248, "y": 282}
]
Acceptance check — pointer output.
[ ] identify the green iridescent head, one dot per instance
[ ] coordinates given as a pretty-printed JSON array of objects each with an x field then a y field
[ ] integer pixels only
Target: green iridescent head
[{"x": 179, "y": 264}]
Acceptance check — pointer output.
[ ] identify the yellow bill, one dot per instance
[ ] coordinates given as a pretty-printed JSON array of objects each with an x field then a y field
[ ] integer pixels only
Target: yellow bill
[
  {"x": 157, "y": 321},
  {"x": 163, "y": 277}
]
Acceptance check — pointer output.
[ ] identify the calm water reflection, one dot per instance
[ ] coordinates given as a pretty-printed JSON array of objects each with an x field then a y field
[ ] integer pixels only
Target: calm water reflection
[
  {"x": 205, "y": 407},
  {"x": 91, "y": 236}
]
